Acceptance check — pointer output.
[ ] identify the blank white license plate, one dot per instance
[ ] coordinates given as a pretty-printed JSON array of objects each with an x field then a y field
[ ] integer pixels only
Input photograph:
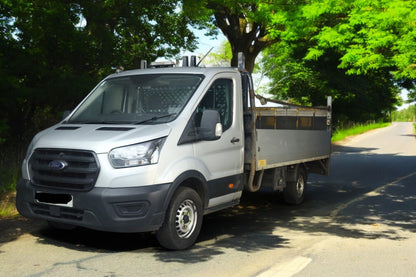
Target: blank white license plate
[{"x": 58, "y": 199}]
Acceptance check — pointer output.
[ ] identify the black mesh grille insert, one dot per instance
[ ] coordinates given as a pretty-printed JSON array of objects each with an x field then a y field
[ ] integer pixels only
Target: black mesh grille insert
[{"x": 64, "y": 169}]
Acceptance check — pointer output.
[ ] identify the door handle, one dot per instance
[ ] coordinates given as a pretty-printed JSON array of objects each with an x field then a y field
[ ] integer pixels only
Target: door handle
[{"x": 234, "y": 140}]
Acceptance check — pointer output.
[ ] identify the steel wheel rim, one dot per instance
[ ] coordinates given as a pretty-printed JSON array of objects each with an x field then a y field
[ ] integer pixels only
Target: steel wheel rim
[
  {"x": 186, "y": 219},
  {"x": 300, "y": 186}
]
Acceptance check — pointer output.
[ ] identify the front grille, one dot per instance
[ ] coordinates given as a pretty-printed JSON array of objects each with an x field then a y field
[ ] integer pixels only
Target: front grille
[{"x": 77, "y": 170}]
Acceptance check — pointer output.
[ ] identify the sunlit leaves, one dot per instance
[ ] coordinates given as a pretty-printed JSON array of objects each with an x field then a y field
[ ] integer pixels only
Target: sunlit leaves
[{"x": 370, "y": 34}]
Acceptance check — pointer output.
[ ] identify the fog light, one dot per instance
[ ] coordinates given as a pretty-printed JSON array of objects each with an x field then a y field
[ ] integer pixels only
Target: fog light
[{"x": 131, "y": 209}]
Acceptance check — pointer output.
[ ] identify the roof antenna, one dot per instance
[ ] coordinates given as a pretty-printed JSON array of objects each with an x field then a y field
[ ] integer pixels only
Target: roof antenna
[{"x": 204, "y": 56}]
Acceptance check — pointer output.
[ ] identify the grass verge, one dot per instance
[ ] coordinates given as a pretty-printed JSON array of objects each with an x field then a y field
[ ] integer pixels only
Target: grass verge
[
  {"x": 11, "y": 157},
  {"x": 356, "y": 130},
  {"x": 8, "y": 205}
]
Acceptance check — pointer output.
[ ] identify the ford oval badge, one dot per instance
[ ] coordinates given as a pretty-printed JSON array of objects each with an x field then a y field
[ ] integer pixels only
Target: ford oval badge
[{"x": 57, "y": 165}]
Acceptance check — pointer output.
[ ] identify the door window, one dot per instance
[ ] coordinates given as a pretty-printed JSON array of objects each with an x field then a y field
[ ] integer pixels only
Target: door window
[{"x": 218, "y": 97}]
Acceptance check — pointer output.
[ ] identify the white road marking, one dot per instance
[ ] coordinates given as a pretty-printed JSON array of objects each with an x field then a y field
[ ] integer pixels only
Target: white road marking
[{"x": 287, "y": 269}]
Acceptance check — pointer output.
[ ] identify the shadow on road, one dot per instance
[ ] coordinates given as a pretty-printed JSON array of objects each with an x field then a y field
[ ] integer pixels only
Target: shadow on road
[
  {"x": 409, "y": 135},
  {"x": 367, "y": 196},
  {"x": 374, "y": 195}
]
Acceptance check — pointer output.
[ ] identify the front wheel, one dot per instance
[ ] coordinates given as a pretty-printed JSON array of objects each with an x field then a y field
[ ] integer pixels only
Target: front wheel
[
  {"x": 183, "y": 220},
  {"x": 294, "y": 193}
]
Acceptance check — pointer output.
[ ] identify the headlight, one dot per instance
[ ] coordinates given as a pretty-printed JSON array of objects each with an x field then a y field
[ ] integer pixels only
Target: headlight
[{"x": 138, "y": 154}]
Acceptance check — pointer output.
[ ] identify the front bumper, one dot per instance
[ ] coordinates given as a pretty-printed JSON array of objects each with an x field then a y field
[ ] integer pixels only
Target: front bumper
[{"x": 125, "y": 210}]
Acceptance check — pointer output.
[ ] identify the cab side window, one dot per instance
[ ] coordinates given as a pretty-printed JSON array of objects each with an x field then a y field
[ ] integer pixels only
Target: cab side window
[{"x": 218, "y": 97}]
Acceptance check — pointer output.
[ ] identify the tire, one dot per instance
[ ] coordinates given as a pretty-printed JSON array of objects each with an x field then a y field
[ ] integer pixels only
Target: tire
[
  {"x": 61, "y": 226},
  {"x": 183, "y": 220},
  {"x": 294, "y": 193}
]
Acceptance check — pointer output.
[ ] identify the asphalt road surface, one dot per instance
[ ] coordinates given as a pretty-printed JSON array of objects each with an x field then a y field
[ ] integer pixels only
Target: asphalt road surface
[{"x": 360, "y": 221}]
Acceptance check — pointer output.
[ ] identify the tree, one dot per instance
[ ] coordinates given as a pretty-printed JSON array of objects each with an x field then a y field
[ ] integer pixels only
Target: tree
[
  {"x": 408, "y": 114},
  {"x": 411, "y": 96},
  {"x": 132, "y": 31},
  {"x": 357, "y": 98},
  {"x": 53, "y": 52},
  {"x": 250, "y": 26},
  {"x": 222, "y": 57},
  {"x": 359, "y": 52}
]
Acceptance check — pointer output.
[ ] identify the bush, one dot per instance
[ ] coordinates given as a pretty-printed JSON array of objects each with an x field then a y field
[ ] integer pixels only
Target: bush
[{"x": 11, "y": 158}]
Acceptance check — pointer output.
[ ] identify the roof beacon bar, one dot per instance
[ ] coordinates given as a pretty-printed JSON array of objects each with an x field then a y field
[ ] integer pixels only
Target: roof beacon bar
[
  {"x": 193, "y": 61},
  {"x": 185, "y": 61}
]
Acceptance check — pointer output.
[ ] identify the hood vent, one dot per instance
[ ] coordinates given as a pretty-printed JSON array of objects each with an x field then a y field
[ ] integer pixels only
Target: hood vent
[
  {"x": 67, "y": 128},
  {"x": 115, "y": 129}
]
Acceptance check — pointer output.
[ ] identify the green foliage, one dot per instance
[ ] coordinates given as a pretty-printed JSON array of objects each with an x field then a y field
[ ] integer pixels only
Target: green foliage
[
  {"x": 405, "y": 115},
  {"x": 9, "y": 177},
  {"x": 11, "y": 156},
  {"x": 222, "y": 57},
  {"x": 356, "y": 98},
  {"x": 370, "y": 35},
  {"x": 349, "y": 50},
  {"x": 4, "y": 130},
  {"x": 411, "y": 96}
]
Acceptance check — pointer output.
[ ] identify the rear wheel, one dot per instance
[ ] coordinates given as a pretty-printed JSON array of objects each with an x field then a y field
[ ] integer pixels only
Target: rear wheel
[
  {"x": 294, "y": 193},
  {"x": 183, "y": 220}
]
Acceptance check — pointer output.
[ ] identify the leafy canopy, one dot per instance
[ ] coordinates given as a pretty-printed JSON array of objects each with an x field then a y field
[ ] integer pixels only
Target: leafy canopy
[{"x": 370, "y": 35}]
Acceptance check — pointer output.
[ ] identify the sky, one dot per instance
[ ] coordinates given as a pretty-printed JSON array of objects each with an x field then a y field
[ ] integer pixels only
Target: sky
[
  {"x": 403, "y": 94},
  {"x": 205, "y": 43}
]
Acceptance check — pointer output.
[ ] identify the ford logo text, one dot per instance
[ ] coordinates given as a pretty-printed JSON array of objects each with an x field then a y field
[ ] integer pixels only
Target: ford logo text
[{"x": 57, "y": 165}]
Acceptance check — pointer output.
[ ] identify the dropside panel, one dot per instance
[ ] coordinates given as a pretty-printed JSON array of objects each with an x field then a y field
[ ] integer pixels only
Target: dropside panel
[{"x": 284, "y": 147}]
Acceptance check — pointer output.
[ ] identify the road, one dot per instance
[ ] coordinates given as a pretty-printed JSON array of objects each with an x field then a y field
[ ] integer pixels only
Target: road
[{"x": 360, "y": 221}]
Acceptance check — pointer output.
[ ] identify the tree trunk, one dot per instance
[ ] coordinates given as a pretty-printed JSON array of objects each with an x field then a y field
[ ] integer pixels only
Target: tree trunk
[
  {"x": 244, "y": 36},
  {"x": 250, "y": 59}
]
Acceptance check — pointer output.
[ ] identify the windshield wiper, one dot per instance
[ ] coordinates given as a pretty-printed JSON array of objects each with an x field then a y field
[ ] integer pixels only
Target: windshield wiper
[{"x": 154, "y": 118}]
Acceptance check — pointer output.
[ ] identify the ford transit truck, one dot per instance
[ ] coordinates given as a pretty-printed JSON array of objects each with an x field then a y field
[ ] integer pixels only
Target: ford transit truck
[{"x": 155, "y": 149}]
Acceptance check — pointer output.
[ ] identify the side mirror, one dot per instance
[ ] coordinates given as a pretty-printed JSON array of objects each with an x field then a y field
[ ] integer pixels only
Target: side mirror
[{"x": 211, "y": 127}]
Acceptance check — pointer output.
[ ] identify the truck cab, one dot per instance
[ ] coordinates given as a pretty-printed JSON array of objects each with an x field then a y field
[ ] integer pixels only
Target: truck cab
[{"x": 117, "y": 161}]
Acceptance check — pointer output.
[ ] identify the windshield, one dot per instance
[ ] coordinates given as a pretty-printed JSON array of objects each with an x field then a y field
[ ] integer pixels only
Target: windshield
[{"x": 137, "y": 99}]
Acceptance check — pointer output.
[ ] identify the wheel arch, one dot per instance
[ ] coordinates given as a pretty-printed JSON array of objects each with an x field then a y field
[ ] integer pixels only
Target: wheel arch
[
  {"x": 293, "y": 170},
  {"x": 192, "y": 179}
]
